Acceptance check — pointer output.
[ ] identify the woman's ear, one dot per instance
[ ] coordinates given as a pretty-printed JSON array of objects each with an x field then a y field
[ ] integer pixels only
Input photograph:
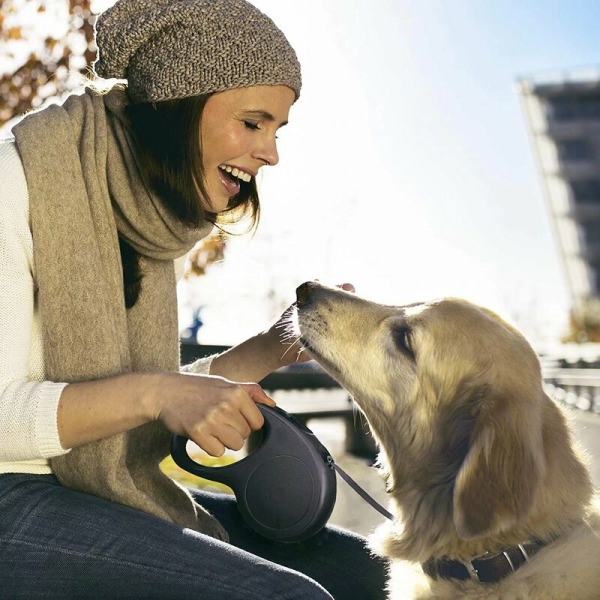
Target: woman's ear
[{"x": 504, "y": 466}]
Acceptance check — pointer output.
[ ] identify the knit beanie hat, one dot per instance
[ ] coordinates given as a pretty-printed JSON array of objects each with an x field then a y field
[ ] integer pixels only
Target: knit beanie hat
[{"x": 169, "y": 49}]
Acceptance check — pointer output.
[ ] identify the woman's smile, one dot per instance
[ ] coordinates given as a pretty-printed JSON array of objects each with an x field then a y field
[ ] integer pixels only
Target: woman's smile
[{"x": 231, "y": 178}]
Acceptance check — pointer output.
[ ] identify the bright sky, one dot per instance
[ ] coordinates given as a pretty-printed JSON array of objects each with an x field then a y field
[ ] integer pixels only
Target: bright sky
[{"x": 406, "y": 168}]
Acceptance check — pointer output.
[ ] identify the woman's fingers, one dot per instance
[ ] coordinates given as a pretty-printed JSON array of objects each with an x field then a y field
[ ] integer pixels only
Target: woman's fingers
[
  {"x": 231, "y": 433},
  {"x": 215, "y": 438},
  {"x": 215, "y": 413},
  {"x": 211, "y": 445},
  {"x": 257, "y": 394},
  {"x": 222, "y": 439},
  {"x": 231, "y": 438}
]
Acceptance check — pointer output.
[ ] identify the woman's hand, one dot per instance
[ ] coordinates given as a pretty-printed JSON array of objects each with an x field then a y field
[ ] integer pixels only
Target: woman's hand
[{"x": 214, "y": 412}]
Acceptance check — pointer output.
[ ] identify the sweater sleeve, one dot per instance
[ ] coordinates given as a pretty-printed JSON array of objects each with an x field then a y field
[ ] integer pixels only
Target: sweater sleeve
[
  {"x": 28, "y": 405},
  {"x": 200, "y": 366}
]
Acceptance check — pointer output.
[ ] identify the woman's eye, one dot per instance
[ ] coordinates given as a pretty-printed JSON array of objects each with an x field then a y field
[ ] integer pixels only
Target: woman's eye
[
  {"x": 251, "y": 125},
  {"x": 403, "y": 339}
]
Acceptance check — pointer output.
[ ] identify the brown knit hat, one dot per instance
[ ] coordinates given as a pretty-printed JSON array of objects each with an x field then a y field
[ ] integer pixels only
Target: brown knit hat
[{"x": 169, "y": 49}]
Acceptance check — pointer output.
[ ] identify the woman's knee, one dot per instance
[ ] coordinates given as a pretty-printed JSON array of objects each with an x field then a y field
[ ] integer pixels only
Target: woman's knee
[{"x": 299, "y": 587}]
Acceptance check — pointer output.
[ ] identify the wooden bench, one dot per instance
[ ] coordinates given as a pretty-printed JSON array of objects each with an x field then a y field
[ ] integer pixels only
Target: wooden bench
[{"x": 304, "y": 407}]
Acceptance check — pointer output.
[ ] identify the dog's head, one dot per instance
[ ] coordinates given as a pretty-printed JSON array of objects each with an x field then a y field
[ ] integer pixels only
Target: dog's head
[{"x": 454, "y": 397}]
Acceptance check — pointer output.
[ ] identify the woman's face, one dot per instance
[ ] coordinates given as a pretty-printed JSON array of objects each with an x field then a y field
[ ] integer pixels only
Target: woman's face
[{"x": 238, "y": 137}]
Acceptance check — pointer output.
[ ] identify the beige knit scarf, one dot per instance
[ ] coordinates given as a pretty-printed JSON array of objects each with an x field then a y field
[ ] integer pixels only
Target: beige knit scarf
[{"x": 85, "y": 188}]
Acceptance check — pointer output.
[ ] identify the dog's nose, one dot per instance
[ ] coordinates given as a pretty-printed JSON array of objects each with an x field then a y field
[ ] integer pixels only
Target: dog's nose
[{"x": 303, "y": 293}]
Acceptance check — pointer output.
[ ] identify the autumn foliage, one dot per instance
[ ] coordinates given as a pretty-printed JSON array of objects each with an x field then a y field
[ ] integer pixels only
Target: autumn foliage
[
  {"x": 49, "y": 44},
  {"x": 584, "y": 322}
]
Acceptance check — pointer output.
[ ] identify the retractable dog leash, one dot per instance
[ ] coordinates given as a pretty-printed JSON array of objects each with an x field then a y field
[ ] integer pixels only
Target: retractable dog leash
[{"x": 286, "y": 488}]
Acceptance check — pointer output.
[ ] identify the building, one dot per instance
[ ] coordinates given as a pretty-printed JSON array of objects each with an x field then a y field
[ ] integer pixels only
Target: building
[{"x": 563, "y": 118}]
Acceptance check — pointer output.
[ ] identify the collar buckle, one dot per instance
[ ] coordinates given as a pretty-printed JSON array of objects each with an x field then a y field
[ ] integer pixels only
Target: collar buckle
[{"x": 471, "y": 570}]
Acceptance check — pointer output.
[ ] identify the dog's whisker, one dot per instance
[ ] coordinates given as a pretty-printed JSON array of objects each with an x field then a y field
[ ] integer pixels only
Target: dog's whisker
[
  {"x": 296, "y": 344},
  {"x": 288, "y": 335},
  {"x": 286, "y": 351}
]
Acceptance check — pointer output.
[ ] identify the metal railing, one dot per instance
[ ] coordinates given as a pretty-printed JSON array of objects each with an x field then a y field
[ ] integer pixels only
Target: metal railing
[{"x": 579, "y": 388}]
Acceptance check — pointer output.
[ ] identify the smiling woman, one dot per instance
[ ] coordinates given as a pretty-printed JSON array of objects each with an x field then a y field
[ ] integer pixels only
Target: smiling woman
[{"x": 100, "y": 195}]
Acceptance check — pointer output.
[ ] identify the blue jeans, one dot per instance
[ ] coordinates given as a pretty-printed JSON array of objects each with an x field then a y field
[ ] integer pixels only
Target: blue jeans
[{"x": 58, "y": 543}]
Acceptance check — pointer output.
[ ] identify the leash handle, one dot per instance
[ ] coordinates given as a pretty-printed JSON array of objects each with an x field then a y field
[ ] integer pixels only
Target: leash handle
[{"x": 359, "y": 490}]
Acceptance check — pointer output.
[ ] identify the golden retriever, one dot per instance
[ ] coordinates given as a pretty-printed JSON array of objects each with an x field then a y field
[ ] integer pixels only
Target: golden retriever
[{"x": 490, "y": 496}]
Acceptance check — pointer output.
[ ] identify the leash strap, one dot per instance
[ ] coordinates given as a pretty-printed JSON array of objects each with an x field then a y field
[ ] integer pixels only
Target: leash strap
[{"x": 362, "y": 493}]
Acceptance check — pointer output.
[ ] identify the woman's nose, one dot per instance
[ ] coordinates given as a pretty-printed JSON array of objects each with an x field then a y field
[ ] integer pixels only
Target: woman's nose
[{"x": 267, "y": 152}]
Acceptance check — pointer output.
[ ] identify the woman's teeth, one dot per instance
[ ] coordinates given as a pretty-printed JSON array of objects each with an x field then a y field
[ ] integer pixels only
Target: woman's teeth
[{"x": 236, "y": 173}]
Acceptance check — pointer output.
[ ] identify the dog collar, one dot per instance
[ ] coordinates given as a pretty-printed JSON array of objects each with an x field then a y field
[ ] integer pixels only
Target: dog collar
[{"x": 486, "y": 568}]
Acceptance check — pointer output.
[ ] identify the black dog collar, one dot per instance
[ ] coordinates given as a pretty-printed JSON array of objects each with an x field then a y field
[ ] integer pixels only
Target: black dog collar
[{"x": 485, "y": 568}]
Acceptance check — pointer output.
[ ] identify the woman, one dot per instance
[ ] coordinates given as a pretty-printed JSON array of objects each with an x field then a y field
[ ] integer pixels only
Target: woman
[{"x": 99, "y": 196}]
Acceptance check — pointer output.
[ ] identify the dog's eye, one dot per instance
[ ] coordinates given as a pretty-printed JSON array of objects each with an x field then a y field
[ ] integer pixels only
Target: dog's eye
[{"x": 403, "y": 339}]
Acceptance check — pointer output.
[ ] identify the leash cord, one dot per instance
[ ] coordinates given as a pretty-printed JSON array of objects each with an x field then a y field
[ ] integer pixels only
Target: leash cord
[{"x": 359, "y": 490}]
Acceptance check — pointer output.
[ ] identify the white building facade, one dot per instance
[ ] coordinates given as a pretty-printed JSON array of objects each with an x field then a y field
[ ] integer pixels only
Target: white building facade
[{"x": 563, "y": 118}]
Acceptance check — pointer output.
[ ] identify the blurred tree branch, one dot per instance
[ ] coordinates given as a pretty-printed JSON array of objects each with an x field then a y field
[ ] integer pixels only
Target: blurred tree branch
[
  {"x": 48, "y": 42},
  {"x": 206, "y": 252}
]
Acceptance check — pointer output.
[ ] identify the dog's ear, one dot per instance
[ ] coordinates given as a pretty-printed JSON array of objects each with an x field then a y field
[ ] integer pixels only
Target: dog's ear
[{"x": 497, "y": 482}]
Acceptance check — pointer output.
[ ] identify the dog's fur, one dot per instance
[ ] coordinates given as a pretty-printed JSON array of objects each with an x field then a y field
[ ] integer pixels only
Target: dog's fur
[{"x": 475, "y": 455}]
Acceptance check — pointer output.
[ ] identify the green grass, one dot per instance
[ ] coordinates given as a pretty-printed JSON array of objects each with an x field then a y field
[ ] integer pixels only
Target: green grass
[{"x": 169, "y": 468}]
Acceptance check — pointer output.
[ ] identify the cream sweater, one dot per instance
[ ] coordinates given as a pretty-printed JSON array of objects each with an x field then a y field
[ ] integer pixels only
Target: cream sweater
[{"x": 28, "y": 403}]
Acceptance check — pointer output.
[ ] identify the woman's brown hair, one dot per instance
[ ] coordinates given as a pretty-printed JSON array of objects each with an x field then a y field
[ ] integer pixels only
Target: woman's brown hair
[{"x": 167, "y": 144}]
